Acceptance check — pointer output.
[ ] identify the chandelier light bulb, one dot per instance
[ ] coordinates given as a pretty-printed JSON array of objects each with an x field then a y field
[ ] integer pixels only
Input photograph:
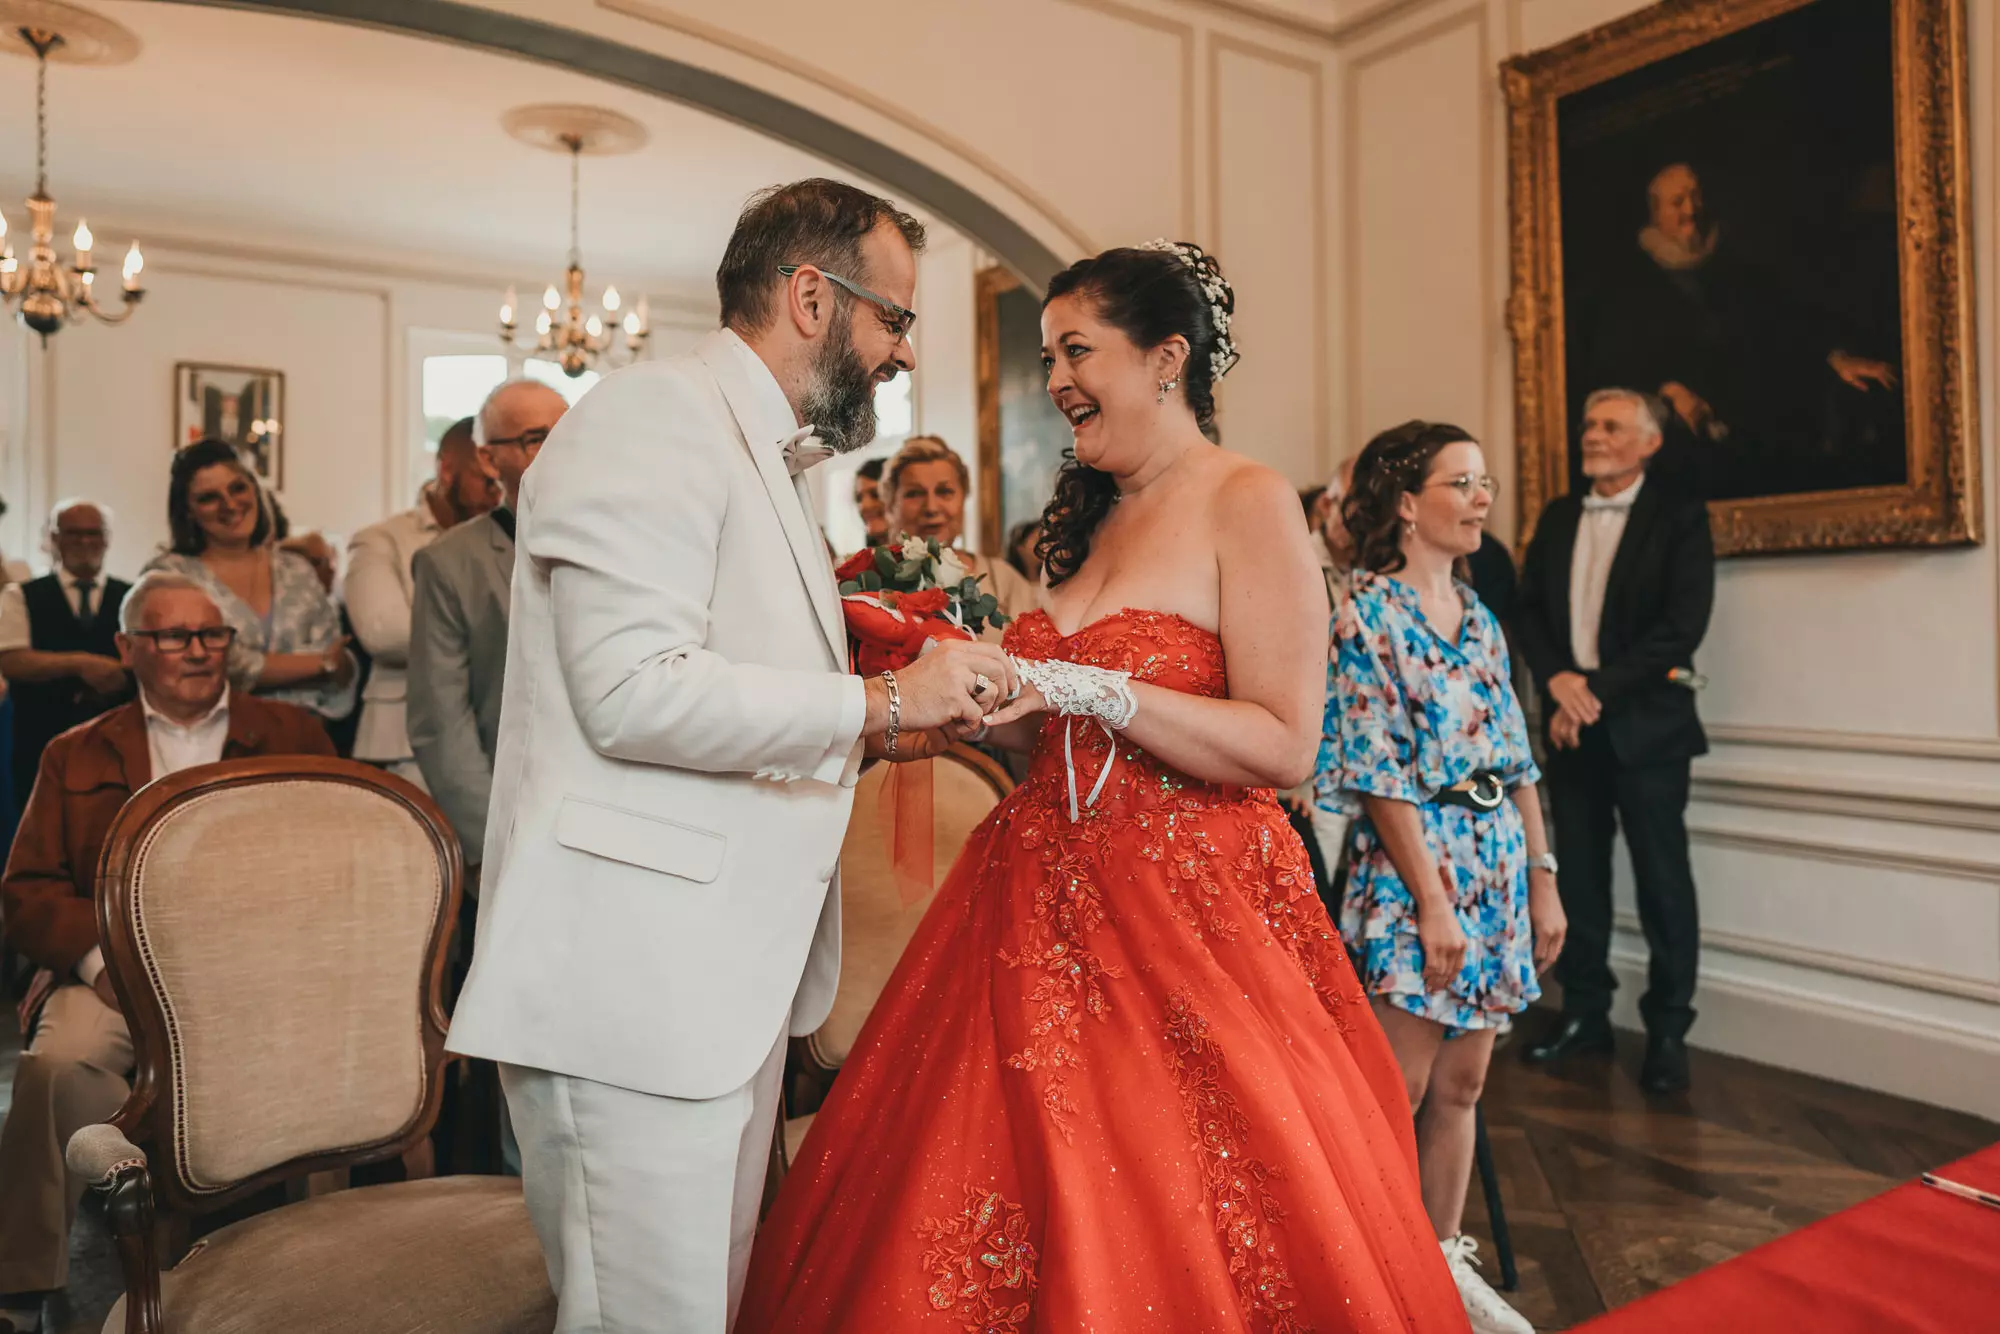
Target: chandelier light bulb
[
  {"x": 543, "y": 323},
  {"x": 135, "y": 264},
  {"x": 3, "y": 224},
  {"x": 89, "y": 277},
  {"x": 633, "y": 328},
  {"x": 552, "y": 299},
  {"x": 83, "y": 239},
  {"x": 8, "y": 263},
  {"x": 594, "y": 327},
  {"x": 507, "y": 309},
  {"x": 611, "y": 300}
]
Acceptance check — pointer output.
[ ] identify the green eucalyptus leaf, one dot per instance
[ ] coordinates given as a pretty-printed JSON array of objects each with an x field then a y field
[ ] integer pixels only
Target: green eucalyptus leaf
[
  {"x": 849, "y": 586},
  {"x": 885, "y": 564},
  {"x": 871, "y": 582}
]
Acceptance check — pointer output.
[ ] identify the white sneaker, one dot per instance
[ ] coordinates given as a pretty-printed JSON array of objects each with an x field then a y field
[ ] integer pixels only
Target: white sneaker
[{"x": 1483, "y": 1306}]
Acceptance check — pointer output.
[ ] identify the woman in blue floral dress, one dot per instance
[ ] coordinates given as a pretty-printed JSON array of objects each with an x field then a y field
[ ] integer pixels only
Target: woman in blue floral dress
[{"x": 1450, "y": 909}]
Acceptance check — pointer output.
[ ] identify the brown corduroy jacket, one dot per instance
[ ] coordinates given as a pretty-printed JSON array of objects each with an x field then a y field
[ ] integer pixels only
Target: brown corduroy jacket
[{"x": 48, "y": 896}]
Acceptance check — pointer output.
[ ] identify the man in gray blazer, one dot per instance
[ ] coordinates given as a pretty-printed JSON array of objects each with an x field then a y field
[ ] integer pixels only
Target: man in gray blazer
[{"x": 458, "y": 620}]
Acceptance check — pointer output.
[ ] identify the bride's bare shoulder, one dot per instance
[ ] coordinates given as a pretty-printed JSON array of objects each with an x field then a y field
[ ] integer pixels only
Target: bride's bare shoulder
[{"x": 1248, "y": 494}]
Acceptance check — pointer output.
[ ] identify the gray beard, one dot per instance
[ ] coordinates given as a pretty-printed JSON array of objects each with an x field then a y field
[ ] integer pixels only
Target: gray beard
[{"x": 839, "y": 398}]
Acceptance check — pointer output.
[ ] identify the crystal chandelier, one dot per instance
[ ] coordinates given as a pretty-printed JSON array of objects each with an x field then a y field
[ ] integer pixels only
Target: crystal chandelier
[
  {"x": 46, "y": 293},
  {"x": 577, "y": 342}
]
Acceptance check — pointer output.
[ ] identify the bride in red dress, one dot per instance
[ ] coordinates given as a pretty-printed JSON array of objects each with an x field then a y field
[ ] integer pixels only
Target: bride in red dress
[{"x": 1124, "y": 1078}]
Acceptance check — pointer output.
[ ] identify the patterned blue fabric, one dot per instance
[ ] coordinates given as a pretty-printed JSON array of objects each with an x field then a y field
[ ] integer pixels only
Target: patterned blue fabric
[{"x": 1409, "y": 714}]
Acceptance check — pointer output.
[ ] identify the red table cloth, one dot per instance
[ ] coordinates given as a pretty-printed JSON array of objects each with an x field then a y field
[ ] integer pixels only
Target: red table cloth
[{"x": 1912, "y": 1261}]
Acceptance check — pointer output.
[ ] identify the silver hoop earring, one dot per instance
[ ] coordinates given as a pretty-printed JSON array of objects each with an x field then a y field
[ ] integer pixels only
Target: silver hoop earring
[{"x": 1167, "y": 387}]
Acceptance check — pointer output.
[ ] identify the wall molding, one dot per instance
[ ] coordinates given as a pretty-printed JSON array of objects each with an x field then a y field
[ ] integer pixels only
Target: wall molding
[
  {"x": 648, "y": 11},
  {"x": 1832, "y": 962},
  {"x": 1470, "y": 12},
  {"x": 1911, "y": 1056},
  {"x": 1220, "y": 44},
  {"x": 1331, "y": 30},
  {"x": 1974, "y": 809},
  {"x": 1850, "y": 854},
  {"x": 1190, "y": 94},
  {"x": 1865, "y": 743}
]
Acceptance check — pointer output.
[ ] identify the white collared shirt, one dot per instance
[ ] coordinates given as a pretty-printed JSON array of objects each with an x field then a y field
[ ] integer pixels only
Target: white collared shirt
[
  {"x": 777, "y": 426},
  {"x": 170, "y": 748},
  {"x": 1599, "y": 530},
  {"x": 15, "y": 631},
  {"x": 173, "y": 746}
]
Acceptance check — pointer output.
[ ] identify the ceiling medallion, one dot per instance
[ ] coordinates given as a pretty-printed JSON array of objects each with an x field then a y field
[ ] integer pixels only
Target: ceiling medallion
[{"x": 562, "y": 331}]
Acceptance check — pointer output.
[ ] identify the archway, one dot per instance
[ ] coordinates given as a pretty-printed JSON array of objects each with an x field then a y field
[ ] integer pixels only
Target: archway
[{"x": 729, "y": 98}]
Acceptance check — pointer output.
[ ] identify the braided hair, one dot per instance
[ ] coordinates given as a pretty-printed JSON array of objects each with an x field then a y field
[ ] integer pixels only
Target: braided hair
[
  {"x": 1394, "y": 464},
  {"x": 1149, "y": 293}
]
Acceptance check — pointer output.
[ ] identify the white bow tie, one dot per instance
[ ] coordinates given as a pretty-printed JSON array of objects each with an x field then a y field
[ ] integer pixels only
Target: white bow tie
[
  {"x": 804, "y": 451},
  {"x": 1622, "y": 501}
]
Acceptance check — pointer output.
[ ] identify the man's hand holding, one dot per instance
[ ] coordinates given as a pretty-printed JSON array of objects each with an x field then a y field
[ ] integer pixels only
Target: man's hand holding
[
  {"x": 104, "y": 675},
  {"x": 952, "y": 687},
  {"x": 1571, "y": 690}
]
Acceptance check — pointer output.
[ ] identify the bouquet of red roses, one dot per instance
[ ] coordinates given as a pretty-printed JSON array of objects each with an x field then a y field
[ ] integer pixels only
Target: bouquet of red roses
[{"x": 896, "y": 598}]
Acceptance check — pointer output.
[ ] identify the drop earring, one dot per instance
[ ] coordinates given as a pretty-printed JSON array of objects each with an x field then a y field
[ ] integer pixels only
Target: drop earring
[{"x": 1167, "y": 387}]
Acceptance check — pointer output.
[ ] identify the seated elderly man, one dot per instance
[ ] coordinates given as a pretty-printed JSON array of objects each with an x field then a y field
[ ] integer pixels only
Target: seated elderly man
[{"x": 73, "y": 1073}]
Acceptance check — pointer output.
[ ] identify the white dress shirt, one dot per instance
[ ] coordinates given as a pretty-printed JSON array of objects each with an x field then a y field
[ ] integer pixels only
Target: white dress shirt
[
  {"x": 14, "y": 629},
  {"x": 171, "y": 747},
  {"x": 1598, "y": 532}
]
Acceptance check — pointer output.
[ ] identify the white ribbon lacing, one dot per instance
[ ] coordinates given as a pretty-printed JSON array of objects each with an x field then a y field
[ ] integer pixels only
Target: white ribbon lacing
[{"x": 1074, "y": 690}]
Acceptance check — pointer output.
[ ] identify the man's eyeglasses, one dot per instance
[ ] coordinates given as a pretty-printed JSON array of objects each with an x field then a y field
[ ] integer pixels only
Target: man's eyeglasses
[
  {"x": 214, "y": 638},
  {"x": 1466, "y": 483},
  {"x": 525, "y": 440},
  {"x": 898, "y": 318}
]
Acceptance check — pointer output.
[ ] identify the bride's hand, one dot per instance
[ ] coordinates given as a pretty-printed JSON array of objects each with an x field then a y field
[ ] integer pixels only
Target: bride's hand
[{"x": 1029, "y": 701}]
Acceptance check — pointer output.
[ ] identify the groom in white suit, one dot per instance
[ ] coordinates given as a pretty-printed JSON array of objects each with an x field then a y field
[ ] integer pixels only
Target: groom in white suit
[{"x": 679, "y": 742}]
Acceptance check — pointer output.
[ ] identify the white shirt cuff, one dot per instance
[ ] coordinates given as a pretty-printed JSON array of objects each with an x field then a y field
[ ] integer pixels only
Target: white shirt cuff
[
  {"x": 842, "y": 763},
  {"x": 90, "y": 965}
]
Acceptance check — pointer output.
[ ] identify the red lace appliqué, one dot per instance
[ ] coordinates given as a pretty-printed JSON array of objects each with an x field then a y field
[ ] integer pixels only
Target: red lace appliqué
[
  {"x": 983, "y": 1264},
  {"x": 1238, "y": 1185}
]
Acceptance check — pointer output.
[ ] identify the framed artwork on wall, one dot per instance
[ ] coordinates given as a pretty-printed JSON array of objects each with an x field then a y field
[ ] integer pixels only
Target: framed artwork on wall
[
  {"x": 1022, "y": 437},
  {"x": 244, "y": 405},
  {"x": 1756, "y": 210}
]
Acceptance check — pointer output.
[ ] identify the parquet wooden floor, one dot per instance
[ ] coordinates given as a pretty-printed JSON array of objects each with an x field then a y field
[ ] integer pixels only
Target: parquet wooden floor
[{"x": 1612, "y": 1194}]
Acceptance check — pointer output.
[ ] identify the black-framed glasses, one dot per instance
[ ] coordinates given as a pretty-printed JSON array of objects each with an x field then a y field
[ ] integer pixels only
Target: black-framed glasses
[
  {"x": 1468, "y": 482},
  {"x": 900, "y": 318},
  {"x": 525, "y": 440},
  {"x": 214, "y": 638}
]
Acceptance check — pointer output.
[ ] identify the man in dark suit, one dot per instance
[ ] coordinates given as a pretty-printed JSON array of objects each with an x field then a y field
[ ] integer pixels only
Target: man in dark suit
[
  {"x": 58, "y": 639},
  {"x": 1614, "y": 599}
]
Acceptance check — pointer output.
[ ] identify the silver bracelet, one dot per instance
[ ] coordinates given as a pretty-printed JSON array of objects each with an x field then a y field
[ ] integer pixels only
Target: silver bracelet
[{"x": 895, "y": 711}]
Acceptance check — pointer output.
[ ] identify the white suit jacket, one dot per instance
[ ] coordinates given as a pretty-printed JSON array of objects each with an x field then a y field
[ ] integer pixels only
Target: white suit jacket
[
  {"x": 377, "y": 593},
  {"x": 678, "y": 744}
]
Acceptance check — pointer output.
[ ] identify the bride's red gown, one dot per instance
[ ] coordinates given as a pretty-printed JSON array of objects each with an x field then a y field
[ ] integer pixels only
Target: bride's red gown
[{"x": 1124, "y": 1078}]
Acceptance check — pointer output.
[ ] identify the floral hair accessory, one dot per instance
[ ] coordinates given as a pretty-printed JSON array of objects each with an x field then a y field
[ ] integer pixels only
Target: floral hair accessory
[{"x": 1221, "y": 298}]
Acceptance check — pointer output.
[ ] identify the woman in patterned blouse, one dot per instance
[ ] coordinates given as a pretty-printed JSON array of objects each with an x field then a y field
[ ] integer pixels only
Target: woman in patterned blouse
[
  {"x": 288, "y": 642},
  {"x": 1450, "y": 909}
]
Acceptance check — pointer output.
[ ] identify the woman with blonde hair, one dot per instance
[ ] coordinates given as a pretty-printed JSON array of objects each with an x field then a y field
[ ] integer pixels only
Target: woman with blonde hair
[{"x": 924, "y": 487}]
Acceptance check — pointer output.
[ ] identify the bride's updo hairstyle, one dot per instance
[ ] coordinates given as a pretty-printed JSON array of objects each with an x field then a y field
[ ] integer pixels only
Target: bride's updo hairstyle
[
  {"x": 1148, "y": 293},
  {"x": 1396, "y": 462}
]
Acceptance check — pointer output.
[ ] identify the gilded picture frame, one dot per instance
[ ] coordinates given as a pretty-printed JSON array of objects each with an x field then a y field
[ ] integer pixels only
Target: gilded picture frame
[{"x": 1934, "y": 498}]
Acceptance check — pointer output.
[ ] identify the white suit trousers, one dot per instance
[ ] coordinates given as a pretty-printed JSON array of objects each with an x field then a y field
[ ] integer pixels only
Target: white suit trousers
[{"x": 645, "y": 1206}]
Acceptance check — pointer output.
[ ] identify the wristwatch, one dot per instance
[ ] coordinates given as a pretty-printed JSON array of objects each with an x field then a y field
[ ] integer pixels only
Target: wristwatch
[{"x": 1545, "y": 862}]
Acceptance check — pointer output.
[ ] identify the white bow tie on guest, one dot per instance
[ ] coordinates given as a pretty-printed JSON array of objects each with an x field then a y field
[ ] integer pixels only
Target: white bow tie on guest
[
  {"x": 804, "y": 451},
  {"x": 1622, "y": 501}
]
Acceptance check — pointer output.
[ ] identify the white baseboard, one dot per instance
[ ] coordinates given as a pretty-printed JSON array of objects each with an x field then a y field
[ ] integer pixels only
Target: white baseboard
[{"x": 1820, "y": 1034}]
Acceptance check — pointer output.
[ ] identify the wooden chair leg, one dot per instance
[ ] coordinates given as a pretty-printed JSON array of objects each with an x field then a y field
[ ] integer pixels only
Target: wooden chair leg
[{"x": 1496, "y": 1210}]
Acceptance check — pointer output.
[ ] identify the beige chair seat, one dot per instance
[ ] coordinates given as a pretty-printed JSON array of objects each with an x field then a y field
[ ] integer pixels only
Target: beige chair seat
[{"x": 445, "y": 1256}]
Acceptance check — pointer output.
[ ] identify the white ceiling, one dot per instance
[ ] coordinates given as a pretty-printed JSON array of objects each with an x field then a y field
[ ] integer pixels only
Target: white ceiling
[{"x": 307, "y": 135}]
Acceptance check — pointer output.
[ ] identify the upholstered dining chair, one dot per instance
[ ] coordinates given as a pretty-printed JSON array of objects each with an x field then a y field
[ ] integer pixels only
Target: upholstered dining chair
[
  {"x": 875, "y": 921},
  {"x": 275, "y": 930}
]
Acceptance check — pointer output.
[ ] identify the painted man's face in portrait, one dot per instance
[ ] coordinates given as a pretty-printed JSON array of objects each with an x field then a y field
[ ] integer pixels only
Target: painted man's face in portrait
[{"x": 1675, "y": 196}]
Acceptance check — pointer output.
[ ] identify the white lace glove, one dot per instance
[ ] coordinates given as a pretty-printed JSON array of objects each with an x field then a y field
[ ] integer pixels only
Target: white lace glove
[{"x": 1074, "y": 690}]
